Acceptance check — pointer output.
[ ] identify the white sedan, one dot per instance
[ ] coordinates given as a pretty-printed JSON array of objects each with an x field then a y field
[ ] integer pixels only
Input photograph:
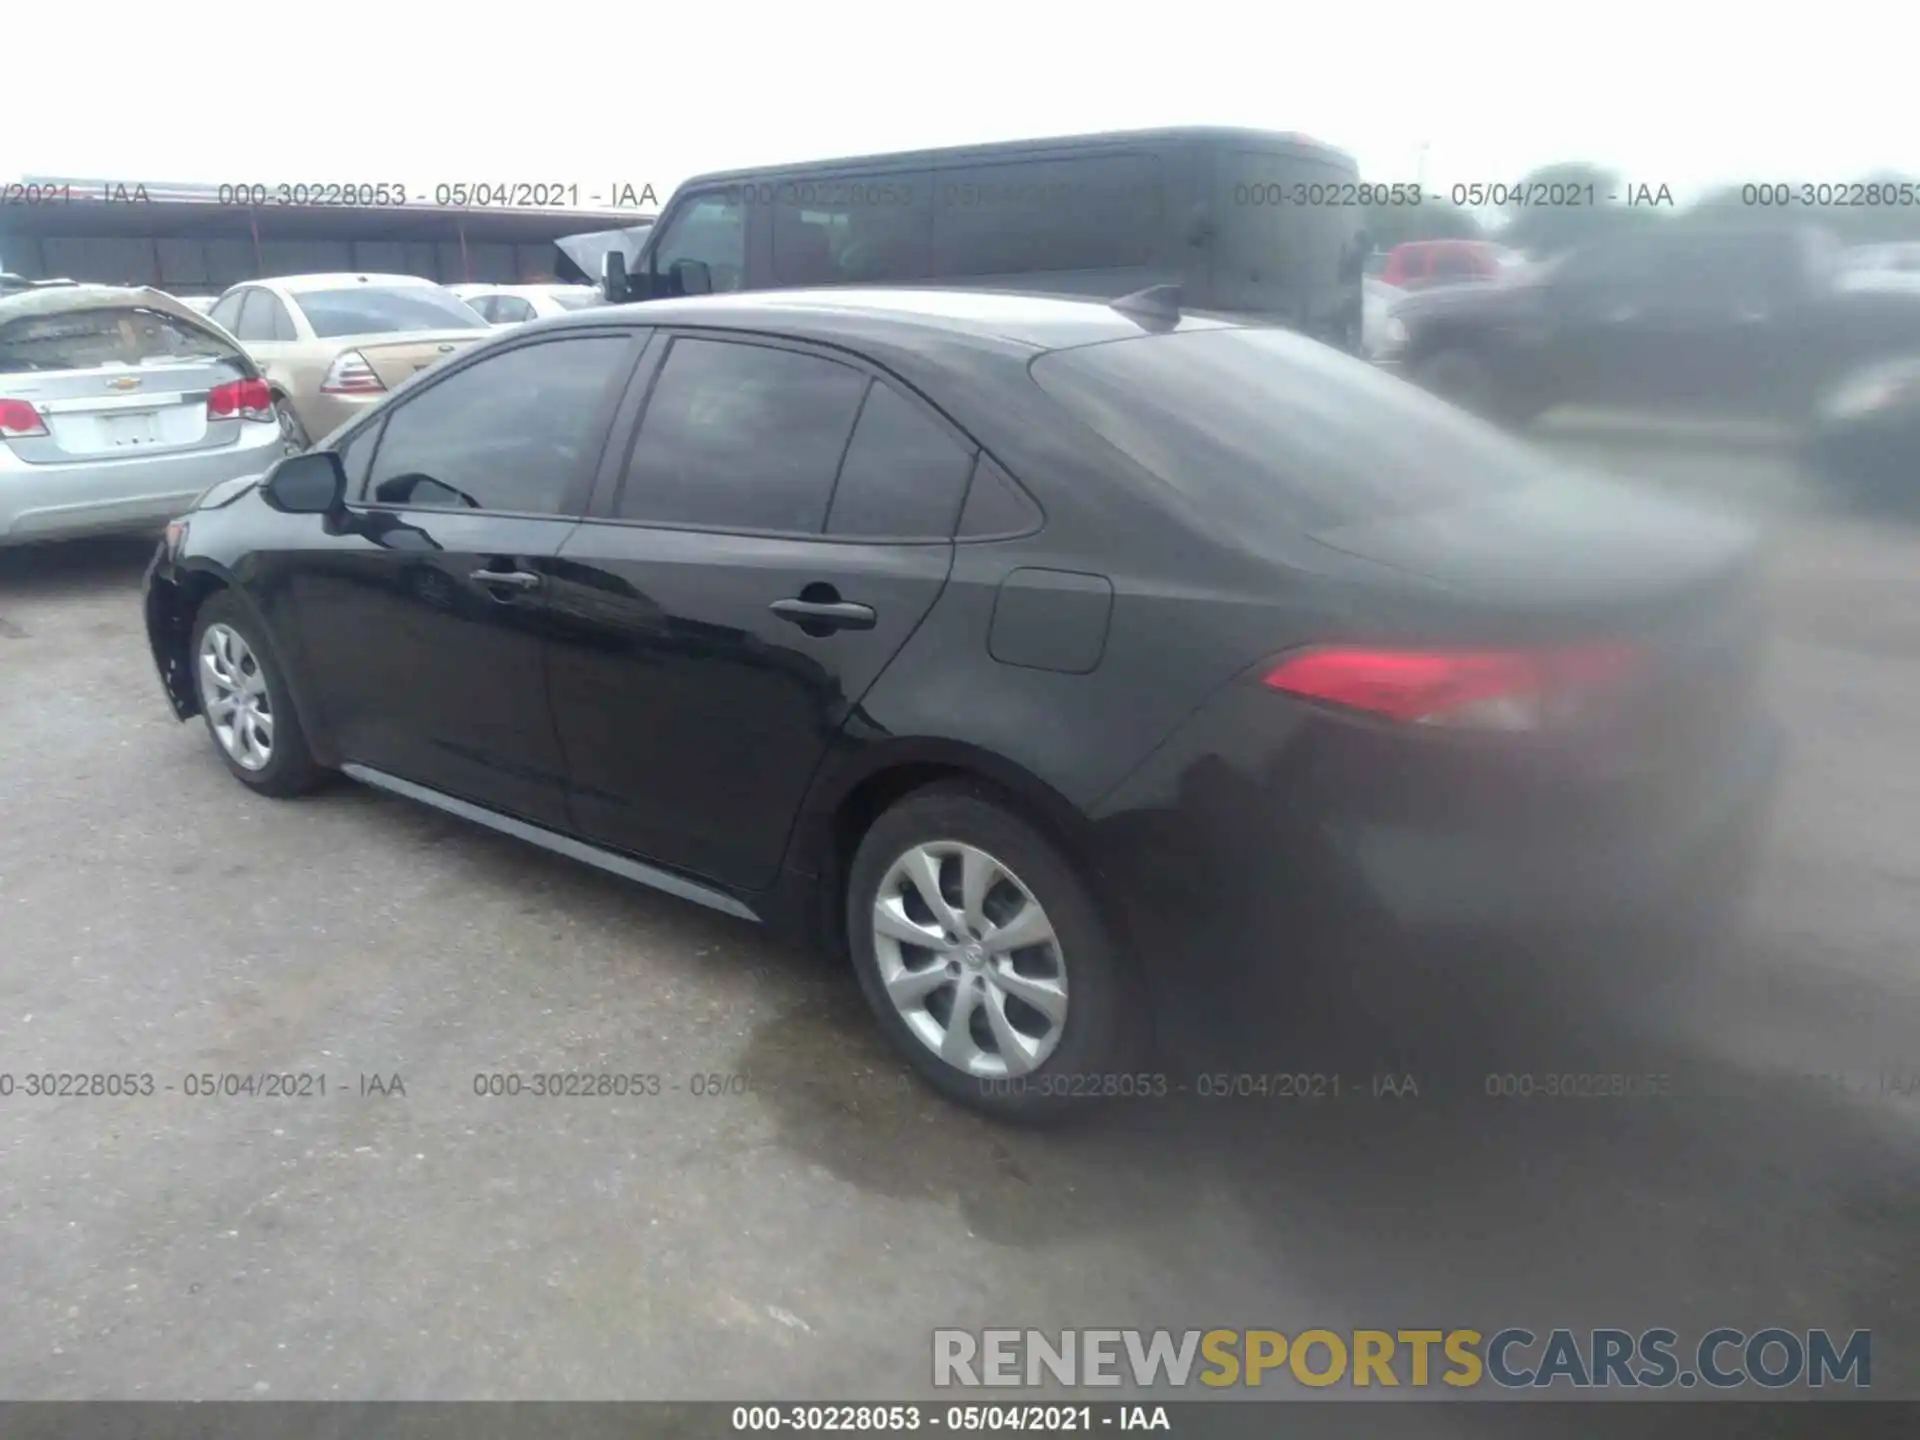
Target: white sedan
[{"x": 516, "y": 304}]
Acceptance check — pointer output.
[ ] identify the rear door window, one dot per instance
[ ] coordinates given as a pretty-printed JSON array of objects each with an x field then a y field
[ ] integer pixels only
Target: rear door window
[
  {"x": 265, "y": 318},
  {"x": 741, "y": 437},
  {"x": 256, "y": 317},
  {"x": 904, "y": 475},
  {"x": 860, "y": 230},
  {"x": 87, "y": 339},
  {"x": 1259, "y": 428},
  {"x": 1090, "y": 212},
  {"x": 226, "y": 313}
]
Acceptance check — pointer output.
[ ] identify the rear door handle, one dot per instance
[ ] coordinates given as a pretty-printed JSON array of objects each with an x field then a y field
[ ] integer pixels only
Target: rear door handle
[
  {"x": 825, "y": 614},
  {"x": 517, "y": 579}
]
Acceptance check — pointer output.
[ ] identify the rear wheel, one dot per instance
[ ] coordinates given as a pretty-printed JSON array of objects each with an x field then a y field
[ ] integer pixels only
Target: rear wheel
[
  {"x": 292, "y": 433},
  {"x": 985, "y": 960},
  {"x": 244, "y": 700}
]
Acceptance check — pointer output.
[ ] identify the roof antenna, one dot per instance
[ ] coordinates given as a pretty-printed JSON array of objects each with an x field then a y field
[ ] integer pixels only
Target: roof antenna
[{"x": 1156, "y": 302}]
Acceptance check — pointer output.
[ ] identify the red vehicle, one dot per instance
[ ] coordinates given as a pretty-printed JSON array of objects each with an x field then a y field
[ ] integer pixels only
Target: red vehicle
[{"x": 1427, "y": 262}]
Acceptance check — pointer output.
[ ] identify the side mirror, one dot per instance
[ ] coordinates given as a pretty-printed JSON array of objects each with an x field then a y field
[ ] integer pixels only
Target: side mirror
[
  {"x": 691, "y": 277},
  {"x": 613, "y": 277},
  {"x": 311, "y": 484}
]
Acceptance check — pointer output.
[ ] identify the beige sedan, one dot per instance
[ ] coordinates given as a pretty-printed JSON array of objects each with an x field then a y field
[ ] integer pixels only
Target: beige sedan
[{"x": 331, "y": 345}]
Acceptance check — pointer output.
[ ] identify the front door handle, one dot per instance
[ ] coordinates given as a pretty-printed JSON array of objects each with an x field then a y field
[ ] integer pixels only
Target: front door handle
[
  {"x": 517, "y": 579},
  {"x": 824, "y": 615}
]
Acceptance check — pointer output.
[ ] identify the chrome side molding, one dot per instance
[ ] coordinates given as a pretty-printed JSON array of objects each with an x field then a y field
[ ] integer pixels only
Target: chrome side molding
[{"x": 552, "y": 840}]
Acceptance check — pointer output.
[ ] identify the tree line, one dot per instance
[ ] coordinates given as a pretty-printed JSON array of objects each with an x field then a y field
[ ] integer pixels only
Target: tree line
[{"x": 1857, "y": 213}]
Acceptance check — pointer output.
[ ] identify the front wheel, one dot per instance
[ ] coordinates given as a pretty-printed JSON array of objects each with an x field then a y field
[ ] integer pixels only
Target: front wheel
[
  {"x": 985, "y": 959},
  {"x": 244, "y": 700}
]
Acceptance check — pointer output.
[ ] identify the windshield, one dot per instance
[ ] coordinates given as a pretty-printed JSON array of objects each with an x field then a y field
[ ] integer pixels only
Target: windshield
[
  {"x": 369, "y": 310},
  {"x": 1260, "y": 429},
  {"x": 86, "y": 339}
]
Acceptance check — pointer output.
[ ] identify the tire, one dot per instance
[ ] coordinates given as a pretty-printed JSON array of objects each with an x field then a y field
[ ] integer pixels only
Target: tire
[
  {"x": 272, "y": 759},
  {"x": 292, "y": 433},
  {"x": 1068, "y": 1064}
]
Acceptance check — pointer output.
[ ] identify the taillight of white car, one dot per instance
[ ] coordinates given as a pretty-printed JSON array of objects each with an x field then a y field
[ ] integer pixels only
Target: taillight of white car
[
  {"x": 19, "y": 420},
  {"x": 249, "y": 399},
  {"x": 350, "y": 374}
]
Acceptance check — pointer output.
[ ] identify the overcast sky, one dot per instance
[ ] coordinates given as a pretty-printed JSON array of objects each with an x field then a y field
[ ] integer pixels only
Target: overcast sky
[{"x": 1666, "y": 93}]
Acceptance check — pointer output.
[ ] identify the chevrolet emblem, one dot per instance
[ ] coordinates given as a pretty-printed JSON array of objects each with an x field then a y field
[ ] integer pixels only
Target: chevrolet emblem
[{"x": 127, "y": 382}]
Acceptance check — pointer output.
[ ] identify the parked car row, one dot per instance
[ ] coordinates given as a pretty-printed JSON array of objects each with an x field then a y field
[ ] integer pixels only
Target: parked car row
[
  {"x": 1744, "y": 322},
  {"x": 517, "y": 304},
  {"x": 118, "y": 407},
  {"x": 330, "y": 345},
  {"x": 1199, "y": 210}
]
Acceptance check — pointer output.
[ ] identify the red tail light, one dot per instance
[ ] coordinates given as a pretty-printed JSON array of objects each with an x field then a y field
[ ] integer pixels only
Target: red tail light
[
  {"x": 1459, "y": 689},
  {"x": 18, "y": 417},
  {"x": 249, "y": 399}
]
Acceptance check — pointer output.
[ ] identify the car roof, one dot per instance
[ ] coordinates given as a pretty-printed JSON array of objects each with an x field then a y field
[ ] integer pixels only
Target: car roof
[
  {"x": 988, "y": 317},
  {"x": 343, "y": 280},
  {"x": 1007, "y": 148}
]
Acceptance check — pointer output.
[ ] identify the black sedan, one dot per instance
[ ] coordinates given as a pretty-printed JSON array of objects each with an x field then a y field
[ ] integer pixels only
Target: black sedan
[{"x": 1055, "y": 659}]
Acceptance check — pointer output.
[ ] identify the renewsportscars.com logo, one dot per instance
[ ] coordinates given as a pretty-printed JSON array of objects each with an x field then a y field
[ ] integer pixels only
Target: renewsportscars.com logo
[{"x": 1722, "y": 1359}]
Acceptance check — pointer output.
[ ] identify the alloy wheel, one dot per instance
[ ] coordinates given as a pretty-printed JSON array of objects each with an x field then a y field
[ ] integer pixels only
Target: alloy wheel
[
  {"x": 233, "y": 691},
  {"x": 970, "y": 960}
]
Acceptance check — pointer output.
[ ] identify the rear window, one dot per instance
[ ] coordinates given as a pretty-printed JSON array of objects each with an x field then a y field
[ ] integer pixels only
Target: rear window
[
  {"x": 1259, "y": 429},
  {"x": 85, "y": 339},
  {"x": 368, "y": 310}
]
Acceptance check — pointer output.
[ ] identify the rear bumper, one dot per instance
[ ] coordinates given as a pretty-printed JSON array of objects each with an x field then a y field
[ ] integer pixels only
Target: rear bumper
[
  {"x": 1477, "y": 877},
  {"x": 1239, "y": 858},
  {"x": 45, "y": 502}
]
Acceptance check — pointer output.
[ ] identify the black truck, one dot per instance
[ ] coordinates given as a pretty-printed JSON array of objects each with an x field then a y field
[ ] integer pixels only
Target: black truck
[
  {"x": 1255, "y": 223},
  {"x": 1737, "y": 322}
]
